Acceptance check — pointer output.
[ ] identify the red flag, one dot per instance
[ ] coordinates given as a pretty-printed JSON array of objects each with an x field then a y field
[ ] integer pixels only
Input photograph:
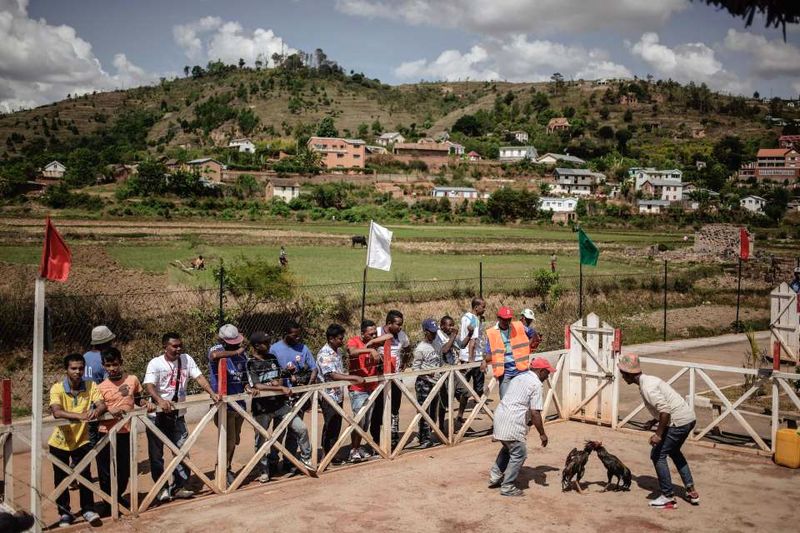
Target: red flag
[
  {"x": 56, "y": 257},
  {"x": 744, "y": 244}
]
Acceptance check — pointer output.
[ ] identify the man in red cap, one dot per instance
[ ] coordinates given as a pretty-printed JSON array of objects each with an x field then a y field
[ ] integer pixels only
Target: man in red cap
[
  {"x": 520, "y": 408},
  {"x": 675, "y": 420},
  {"x": 508, "y": 349}
]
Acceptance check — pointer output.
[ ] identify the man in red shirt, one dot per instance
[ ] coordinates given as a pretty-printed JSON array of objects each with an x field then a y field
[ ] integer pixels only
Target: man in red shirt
[{"x": 365, "y": 361}]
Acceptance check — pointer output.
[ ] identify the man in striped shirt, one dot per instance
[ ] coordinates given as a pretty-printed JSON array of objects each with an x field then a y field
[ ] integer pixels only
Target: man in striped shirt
[{"x": 519, "y": 409}]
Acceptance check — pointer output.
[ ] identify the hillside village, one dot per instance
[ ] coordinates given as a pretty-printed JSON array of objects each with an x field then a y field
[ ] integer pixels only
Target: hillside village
[{"x": 559, "y": 151}]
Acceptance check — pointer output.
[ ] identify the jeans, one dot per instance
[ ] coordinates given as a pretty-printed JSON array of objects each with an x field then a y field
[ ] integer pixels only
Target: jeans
[
  {"x": 123, "y": 465},
  {"x": 377, "y": 420},
  {"x": 86, "y": 497},
  {"x": 508, "y": 463},
  {"x": 670, "y": 446},
  {"x": 233, "y": 432},
  {"x": 477, "y": 378},
  {"x": 297, "y": 429},
  {"x": 174, "y": 428},
  {"x": 331, "y": 427},
  {"x": 436, "y": 409},
  {"x": 357, "y": 400}
]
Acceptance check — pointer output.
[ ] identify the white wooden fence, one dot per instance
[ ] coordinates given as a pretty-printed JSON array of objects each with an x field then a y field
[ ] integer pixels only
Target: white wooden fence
[{"x": 784, "y": 323}]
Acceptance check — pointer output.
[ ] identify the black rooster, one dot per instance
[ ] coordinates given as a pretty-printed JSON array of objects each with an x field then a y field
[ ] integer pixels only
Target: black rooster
[
  {"x": 575, "y": 466},
  {"x": 614, "y": 468}
]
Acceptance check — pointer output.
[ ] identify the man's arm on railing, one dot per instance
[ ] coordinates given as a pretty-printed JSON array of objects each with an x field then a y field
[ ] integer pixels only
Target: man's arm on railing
[{"x": 206, "y": 386}]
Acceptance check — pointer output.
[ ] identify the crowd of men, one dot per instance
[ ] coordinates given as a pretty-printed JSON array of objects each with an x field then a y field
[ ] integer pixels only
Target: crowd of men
[{"x": 97, "y": 383}]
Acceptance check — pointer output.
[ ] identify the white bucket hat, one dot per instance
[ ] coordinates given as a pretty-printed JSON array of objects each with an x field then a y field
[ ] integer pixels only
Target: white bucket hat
[
  {"x": 527, "y": 313},
  {"x": 102, "y": 335}
]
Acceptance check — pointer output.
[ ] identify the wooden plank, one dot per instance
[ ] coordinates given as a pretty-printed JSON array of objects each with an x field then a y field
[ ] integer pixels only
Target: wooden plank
[
  {"x": 112, "y": 438},
  {"x": 314, "y": 434},
  {"x": 481, "y": 405},
  {"x": 421, "y": 411},
  {"x": 723, "y": 415},
  {"x": 7, "y": 440},
  {"x": 222, "y": 453},
  {"x": 134, "y": 466},
  {"x": 700, "y": 366},
  {"x": 451, "y": 405},
  {"x": 789, "y": 392}
]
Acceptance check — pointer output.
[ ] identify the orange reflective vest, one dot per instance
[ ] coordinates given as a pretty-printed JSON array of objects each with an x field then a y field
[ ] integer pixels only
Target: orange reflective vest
[{"x": 520, "y": 348}]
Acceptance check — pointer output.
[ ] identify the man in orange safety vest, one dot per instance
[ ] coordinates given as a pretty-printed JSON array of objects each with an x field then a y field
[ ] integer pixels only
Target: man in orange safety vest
[{"x": 508, "y": 348}]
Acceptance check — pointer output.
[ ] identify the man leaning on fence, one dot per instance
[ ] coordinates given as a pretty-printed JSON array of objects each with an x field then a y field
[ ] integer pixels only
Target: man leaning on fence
[
  {"x": 427, "y": 357},
  {"x": 508, "y": 349},
  {"x": 165, "y": 381},
  {"x": 230, "y": 350},
  {"x": 77, "y": 401},
  {"x": 470, "y": 338},
  {"x": 396, "y": 346},
  {"x": 102, "y": 338}
]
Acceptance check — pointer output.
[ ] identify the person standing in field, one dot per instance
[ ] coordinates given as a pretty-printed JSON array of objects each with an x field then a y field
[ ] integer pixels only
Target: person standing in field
[
  {"x": 364, "y": 362},
  {"x": 674, "y": 420},
  {"x": 519, "y": 409},
  {"x": 331, "y": 368},
  {"x": 396, "y": 347},
  {"x": 470, "y": 338},
  {"x": 283, "y": 259},
  {"x": 553, "y": 260},
  {"x": 427, "y": 357},
  {"x": 508, "y": 349},
  {"x": 78, "y": 401}
]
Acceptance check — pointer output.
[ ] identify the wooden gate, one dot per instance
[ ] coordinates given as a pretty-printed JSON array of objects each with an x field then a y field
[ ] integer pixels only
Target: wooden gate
[
  {"x": 590, "y": 369},
  {"x": 784, "y": 323}
]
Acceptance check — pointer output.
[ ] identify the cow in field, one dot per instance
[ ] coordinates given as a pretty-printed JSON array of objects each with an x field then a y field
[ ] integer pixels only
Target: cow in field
[{"x": 358, "y": 239}]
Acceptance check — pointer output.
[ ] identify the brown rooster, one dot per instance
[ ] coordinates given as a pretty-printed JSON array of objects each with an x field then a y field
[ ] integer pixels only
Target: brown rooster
[
  {"x": 574, "y": 467},
  {"x": 614, "y": 468}
]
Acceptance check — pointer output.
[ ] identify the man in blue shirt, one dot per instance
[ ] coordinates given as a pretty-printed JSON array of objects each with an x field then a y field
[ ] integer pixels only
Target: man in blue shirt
[
  {"x": 297, "y": 361},
  {"x": 795, "y": 283},
  {"x": 102, "y": 338},
  {"x": 230, "y": 350},
  {"x": 528, "y": 318}
]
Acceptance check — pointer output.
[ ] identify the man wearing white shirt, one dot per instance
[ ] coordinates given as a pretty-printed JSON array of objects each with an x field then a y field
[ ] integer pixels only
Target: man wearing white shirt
[
  {"x": 675, "y": 420},
  {"x": 395, "y": 347},
  {"x": 470, "y": 338},
  {"x": 165, "y": 381}
]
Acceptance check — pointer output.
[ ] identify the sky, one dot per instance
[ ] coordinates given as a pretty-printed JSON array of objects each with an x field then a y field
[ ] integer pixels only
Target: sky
[{"x": 52, "y": 48}]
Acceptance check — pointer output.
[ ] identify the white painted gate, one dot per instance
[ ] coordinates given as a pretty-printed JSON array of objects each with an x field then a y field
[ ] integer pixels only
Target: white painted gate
[
  {"x": 784, "y": 323},
  {"x": 590, "y": 370}
]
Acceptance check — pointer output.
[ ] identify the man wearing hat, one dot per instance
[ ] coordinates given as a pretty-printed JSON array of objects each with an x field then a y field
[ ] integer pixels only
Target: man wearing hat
[
  {"x": 528, "y": 318},
  {"x": 94, "y": 371},
  {"x": 795, "y": 283},
  {"x": 508, "y": 349},
  {"x": 427, "y": 357},
  {"x": 230, "y": 350},
  {"x": 675, "y": 421},
  {"x": 520, "y": 408}
]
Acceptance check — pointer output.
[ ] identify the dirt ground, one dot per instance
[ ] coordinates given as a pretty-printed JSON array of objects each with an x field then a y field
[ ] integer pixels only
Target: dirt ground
[
  {"x": 709, "y": 316},
  {"x": 445, "y": 490}
]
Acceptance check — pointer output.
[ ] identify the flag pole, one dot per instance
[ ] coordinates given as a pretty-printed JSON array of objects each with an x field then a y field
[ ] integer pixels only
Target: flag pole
[
  {"x": 364, "y": 279},
  {"x": 36, "y": 404},
  {"x": 738, "y": 294},
  {"x": 580, "y": 289}
]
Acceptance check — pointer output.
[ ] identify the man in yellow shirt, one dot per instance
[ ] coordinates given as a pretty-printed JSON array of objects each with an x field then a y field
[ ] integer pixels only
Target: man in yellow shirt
[{"x": 77, "y": 401}]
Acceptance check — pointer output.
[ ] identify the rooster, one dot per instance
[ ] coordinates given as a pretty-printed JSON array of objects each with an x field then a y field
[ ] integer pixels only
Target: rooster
[
  {"x": 614, "y": 468},
  {"x": 575, "y": 466}
]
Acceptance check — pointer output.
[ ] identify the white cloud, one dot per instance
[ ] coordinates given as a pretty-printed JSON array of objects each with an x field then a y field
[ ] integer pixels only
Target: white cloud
[
  {"x": 688, "y": 62},
  {"x": 40, "y": 62},
  {"x": 501, "y": 17},
  {"x": 211, "y": 38},
  {"x": 771, "y": 59},
  {"x": 515, "y": 59}
]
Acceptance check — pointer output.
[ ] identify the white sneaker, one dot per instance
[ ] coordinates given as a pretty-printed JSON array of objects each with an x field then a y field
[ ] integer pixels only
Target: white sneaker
[
  {"x": 662, "y": 502},
  {"x": 92, "y": 518},
  {"x": 355, "y": 456},
  {"x": 308, "y": 465},
  {"x": 263, "y": 478},
  {"x": 164, "y": 495},
  {"x": 66, "y": 520},
  {"x": 183, "y": 494}
]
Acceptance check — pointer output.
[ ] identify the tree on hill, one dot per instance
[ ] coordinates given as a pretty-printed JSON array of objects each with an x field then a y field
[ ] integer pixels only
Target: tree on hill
[
  {"x": 327, "y": 128},
  {"x": 469, "y": 125},
  {"x": 729, "y": 151}
]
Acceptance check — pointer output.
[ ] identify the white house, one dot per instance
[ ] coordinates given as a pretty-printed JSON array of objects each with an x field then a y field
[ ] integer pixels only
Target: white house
[
  {"x": 53, "y": 169},
  {"x": 579, "y": 181},
  {"x": 455, "y": 192},
  {"x": 390, "y": 137},
  {"x": 641, "y": 174},
  {"x": 658, "y": 184},
  {"x": 284, "y": 188},
  {"x": 517, "y": 153},
  {"x": 652, "y": 207},
  {"x": 753, "y": 203},
  {"x": 557, "y": 205},
  {"x": 244, "y": 145},
  {"x": 520, "y": 136},
  {"x": 455, "y": 148},
  {"x": 554, "y": 159}
]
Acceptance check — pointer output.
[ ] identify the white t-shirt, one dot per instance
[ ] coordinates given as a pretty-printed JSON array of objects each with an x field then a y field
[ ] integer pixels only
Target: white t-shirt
[
  {"x": 399, "y": 343},
  {"x": 162, "y": 374},
  {"x": 659, "y": 397},
  {"x": 467, "y": 320}
]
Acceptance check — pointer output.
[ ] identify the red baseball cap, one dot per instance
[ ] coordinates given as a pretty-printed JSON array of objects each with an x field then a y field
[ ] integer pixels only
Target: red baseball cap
[
  {"x": 541, "y": 362},
  {"x": 505, "y": 312}
]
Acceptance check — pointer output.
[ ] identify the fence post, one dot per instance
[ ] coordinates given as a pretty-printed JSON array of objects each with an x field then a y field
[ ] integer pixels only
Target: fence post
[
  {"x": 364, "y": 295},
  {"x": 737, "y": 325},
  {"x": 8, "y": 448},
  {"x": 480, "y": 279},
  {"x": 221, "y": 319},
  {"x": 222, "y": 426},
  {"x": 6, "y": 402},
  {"x": 665, "y": 299}
]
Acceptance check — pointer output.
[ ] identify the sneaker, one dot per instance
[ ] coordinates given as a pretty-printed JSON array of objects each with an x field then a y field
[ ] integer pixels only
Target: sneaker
[
  {"x": 164, "y": 495},
  {"x": 693, "y": 497},
  {"x": 355, "y": 456},
  {"x": 663, "y": 502},
  {"x": 365, "y": 452},
  {"x": 427, "y": 443},
  {"x": 92, "y": 518},
  {"x": 183, "y": 494},
  {"x": 263, "y": 478},
  {"x": 516, "y": 491},
  {"x": 65, "y": 520},
  {"x": 308, "y": 465},
  {"x": 495, "y": 483}
]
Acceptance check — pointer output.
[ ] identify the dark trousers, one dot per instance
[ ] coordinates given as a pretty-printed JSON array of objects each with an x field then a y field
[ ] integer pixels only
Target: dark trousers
[
  {"x": 436, "y": 409},
  {"x": 123, "y": 465},
  {"x": 174, "y": 428},
  {"x": 86, "y": 498},
  {"x": 477, "y": 378},
  {"x": 670, "y": 446},
  {"x": 331, "y": 427},
  {"x": 377, "y": 414}
]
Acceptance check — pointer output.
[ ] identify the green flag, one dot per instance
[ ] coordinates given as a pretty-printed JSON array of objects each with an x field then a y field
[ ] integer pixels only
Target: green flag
[{"x": 589, "y": 252}]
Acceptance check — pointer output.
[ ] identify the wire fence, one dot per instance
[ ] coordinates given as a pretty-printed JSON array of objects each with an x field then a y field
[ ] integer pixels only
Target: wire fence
[{"x": 139, "y": 319}]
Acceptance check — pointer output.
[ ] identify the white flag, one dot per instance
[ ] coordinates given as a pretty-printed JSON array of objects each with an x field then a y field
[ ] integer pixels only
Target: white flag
[{"x": 378, "y": 254}]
